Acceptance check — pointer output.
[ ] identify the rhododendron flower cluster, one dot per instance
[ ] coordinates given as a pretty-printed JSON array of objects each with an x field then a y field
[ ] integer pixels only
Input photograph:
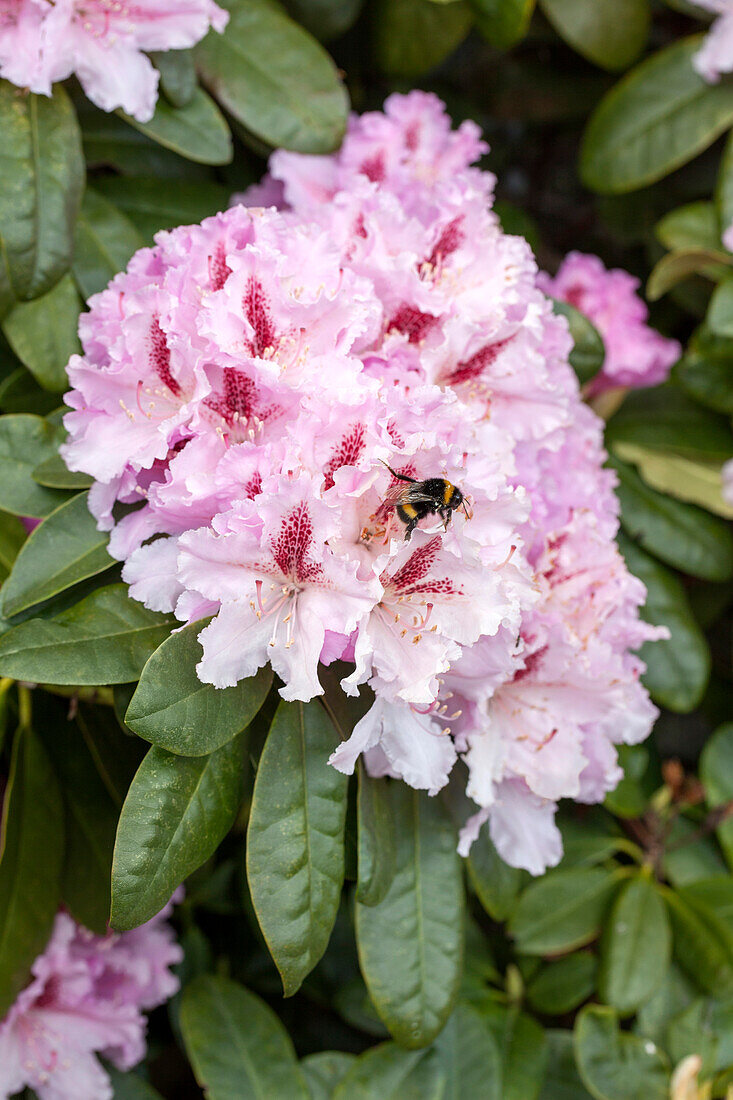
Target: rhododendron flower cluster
[
  {"x": 245, "y": 386},
  {"x": 87, "y": 997},
  {"x": 715, "y": 56},
  {"x": 102, "y": 43},
  {"x": 636, "y": 355}
]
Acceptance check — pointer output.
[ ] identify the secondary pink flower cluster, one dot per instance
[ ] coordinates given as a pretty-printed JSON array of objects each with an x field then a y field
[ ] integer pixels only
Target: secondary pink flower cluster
[
  {"x": 715, "y": 56},
  {"x": 636, "y": 354},
  {"x": 102, "y": 43},
  {"x": 87, "y": 997},
  {"x": 243, "y": 385}
]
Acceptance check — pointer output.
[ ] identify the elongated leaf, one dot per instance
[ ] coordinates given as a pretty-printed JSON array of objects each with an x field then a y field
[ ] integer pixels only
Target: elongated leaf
[
  {"x": 295, "y": 841},
  {"x": 388, "y": 1073},
  {"x": 702, "y": 949},
  {"x": 610, "y": 33},
  {"x": 173, "y": 709},
  {"x": 129, "y": 1086},
  {"x": 324, "y": 1071},
  {"x": 42, "y": 170},
  {"x": 705, "y": 371},
  {"x": 562, "y": 1081},
  {"x": 12, "y": 536},
  {"x": 275, "y": 79},
  {"x": 664, "y": 419},
  {"x": 197, "y": 131},
  {"x": 64, "y": 549},
  {"x": 524, "y": 1054},
  {"x": 658, "y": 117},
  {"x": 24, "y": 442},
  {"x": 54, "y": 474},
  {"x": 716, "y": 772},
  {"x": 615, "y": 1065},
  {"x": 675, "y": 267},
  {"x": 678, "y": 668},
  {"x": 496, "y": 884},
  {"x": 325, "y": 19},
  {"x": 376, "y": 845},
  {"x": 411, "y": 944},
  {"x": 694, "y": 481},
  {"x": 238, "y": 1048},
  {"x": 720, "y": 314},
  {"x": 565, "y": 909},
  {"x": 503, "y": 23},
  {"x": 683, "y": 536},
  {"x": 151, "y": 207},
  {"x": 32, "y": 852},
  {"x": 635, "y": 949},
  {"x": 105, "y": 241},
  {"x": 563, "y": 985},
  {"x": 177, "y": 75},
  {"x": 588, "y": 352},
  {"x": 413, "y": 36},
  {"x": 43, "y": 333},
  {"x": 694, "y": 225},
  {"x": 724, "y": 185},
  {"x": 470, "y": 1057},
  {"x": 105, "y": 639}
]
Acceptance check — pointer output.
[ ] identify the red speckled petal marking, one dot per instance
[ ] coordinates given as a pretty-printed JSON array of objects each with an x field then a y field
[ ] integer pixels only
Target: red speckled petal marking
[
  {"x": 219, "y": 269},
  {"x": 478, "y": 363},
  {"x": 257, "y": 312},
  {"x": 345, "y": 453},
  {"x": 450, "y": 239},
  {"x": 411, "y": 577},
  {"x": 290, "y": 548},
  {"x": 160, "y": 357},
  {"x": 414, "y": 324}
]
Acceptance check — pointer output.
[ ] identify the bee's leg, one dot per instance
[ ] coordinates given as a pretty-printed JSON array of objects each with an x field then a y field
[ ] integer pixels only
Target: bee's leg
[
  {"x": 412, "y": 524},
  {"x": 444, "y": 514}
]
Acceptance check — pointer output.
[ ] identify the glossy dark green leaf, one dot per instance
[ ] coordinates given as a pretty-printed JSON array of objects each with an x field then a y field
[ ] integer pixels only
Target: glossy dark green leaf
[
  {"x": 275, "y": 79},
  {"x": 688, "y": 856},
  {"x": 238, "y": 1048},
  {"x": 105, "y": 639},
  {"x": 724, "y": 185},
  {"x": 31, "y": 860},
  {"x": 42, "y": 170},
  {"x": 470, "y": 1057},
  {"x": 636, "y": 945},
  {"x": 563, "y": 910},
  {"x": 64, "y": 549},
  {"x": 664, "y": 419},
  {"x": 411, "y": 37},
  {"x": 705, "y": 370},
  {"x": 682, "y": 535},
  {"x": 197, "y": 131},
  {"x": 678, "y": 668},
  {"x": 695, "y": 481},
  {"x": 524, "y": 1054},
  {"x": 130, "y": 1086},
  {"x": 610, "y": 33},
  {"x": 716, "y": 772},
  {"x": 694, "y": 225},
  {"x": 615, "y": 1065},
  {"x": 54, "y": 474},
  {"x": 105, "y": 241},
  {"x": 411, "y": 944},
  {"x": 719, "y": 317},
  {"x": 25, "y": 441},
  {"x": 692, "y": 1032},
  {"x": 375, "y": 841},
  {"x": 503, "y": 23},
  {"x": 715, "y": 892},
  {"x": 387, "y": 1072},
  {"x": 177, "y": 811},
  {"x": 496, "y": 884},
  {"x": 177, "y": 75},
  {"x": 43, "y": 333},
  {"x": 20, "y": 393},
  {"x": 588, "y": 352},
  {"x": 562, "y": 1081},
  {"x": 151, "y": 207},
  {"x": 702, "y": 948},
  {"x": 355, "y": 1006},
  {"x": 676, "y": 267},
  {"x": 658, "y": 117},
  {"x": 173, "y": 709},
  {"x": 12, "y": 536},
  {"x": 324, "y": 1071},
  {"x": 325, "y": 19},
  {"x": 110, "y": 142},
  {"x": 295, "y": 840},
  {"x": 561, "y": 986}
]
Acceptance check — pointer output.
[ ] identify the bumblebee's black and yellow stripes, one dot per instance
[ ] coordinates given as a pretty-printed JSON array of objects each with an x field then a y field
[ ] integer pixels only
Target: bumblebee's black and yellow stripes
[{"x": 434, "y": 496}]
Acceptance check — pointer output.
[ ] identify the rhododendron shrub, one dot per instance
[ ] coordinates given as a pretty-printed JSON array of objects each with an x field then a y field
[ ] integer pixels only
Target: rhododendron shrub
[{"x": 262, "y": 374}]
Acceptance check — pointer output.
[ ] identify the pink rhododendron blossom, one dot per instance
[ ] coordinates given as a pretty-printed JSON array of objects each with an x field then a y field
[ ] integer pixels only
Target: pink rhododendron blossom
[
  {"x": 271, "y": 377},
  {"x": 636, "y": 354},
  {"x": 87, "y": 997},
  {"x": 715, "y": 56},
  {"x": 102, "y": 42}
]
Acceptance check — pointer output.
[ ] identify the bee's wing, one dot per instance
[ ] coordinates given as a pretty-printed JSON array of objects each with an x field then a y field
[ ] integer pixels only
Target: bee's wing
[{"x": 395, "y": 495}]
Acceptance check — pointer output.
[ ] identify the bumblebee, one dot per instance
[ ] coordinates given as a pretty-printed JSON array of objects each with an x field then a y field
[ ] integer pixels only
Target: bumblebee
[{"x": 417, "y": 499}]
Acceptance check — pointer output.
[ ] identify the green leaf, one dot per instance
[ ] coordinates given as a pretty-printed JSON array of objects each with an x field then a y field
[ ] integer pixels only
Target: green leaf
[
  {"x": 275, "y": 79},
  {"x": 714, "y": 893},
  {"x": 470, "y": 1057},
  {"x": 43, "y": 333},
  {"x": 615, "y": 1065},
  {"x": 631, "y": 795},
  {"x": 702, "y": 945},
  {"x": 12, "y": 536},
  {"x": 563, "y": 910},
  {"x": 636, "y": 946},
  {"x": 610, "y": 33},
  {"x": 105, "y": 241},
  {"x": 683, "y": 536},
  {"x": 151, "y": 207},
  {"x": 411, "y": 37},
  {"x": 238, "y": 1048},
  {"x": 689, "y": 857},
  {"x": 665, "y": 419},
  {"x": 105, "y": 639},
  {"x": 197, "y": 131},
  {"x": 388, "y": 1073},
  {"x": 20, "y": 393},
  {"x": 694, "y": 481},
  {"x": 561, "y": 986},
  {"x": 692, "y": 1032},
  {"x": 497, "y": 885},
  {"x": 705, "y": 370},
  {"x": 31, "y": 858},
  {"x": 677, "y": 668},
  {"x": 24, "y": 441},
  {"x": 411, "y": 944},
  {"x": 42, "y": 170},
  {"x": 177, "y": 75},
  {"x": 720, "y": 314},
  {"x": 503, "y": 23},
  {"x": 109, "y": 142},
  {"x": 325, "y": 1070},
  {"x": 694, "y": 225},
  {"x": 561, "y": 1077},
  {"x": 64, "y": 549},
  {"x": 295, "y": 840},
  {"x": 675, "y": 267},
  {"x": 172, "y": 708},
  {"x": 177, "y": 811},
  {"x": 524, "y": 1053},
  {"x": 589, "y": 351},
  {"x": 54, "y": 473},
  {"x": 716, "y": 772},
  {"x": 376, "y": 845},
  {"x": 659, "y": 116},
  {"x": 129, "y": 1086},
  {"x": 724, "y": 185},
  {"x": 325, "y": 19}
]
